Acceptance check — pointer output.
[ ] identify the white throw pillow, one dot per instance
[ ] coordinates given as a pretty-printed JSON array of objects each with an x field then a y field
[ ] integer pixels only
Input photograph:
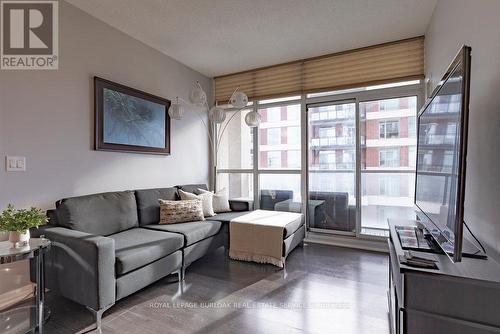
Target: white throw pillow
[
  {"x": 220, "y": 200},
  {"x": 206, "y": 201}
]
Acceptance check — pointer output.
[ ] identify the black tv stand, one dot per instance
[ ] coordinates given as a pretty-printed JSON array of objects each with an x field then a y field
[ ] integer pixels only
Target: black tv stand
[
  {"x": 419, "y": 238},
  {"x": 462, "y": 297}
]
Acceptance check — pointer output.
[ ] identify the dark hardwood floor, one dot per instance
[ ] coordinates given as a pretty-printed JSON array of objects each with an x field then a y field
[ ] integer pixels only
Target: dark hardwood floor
[{"x": 324, "y": 289}]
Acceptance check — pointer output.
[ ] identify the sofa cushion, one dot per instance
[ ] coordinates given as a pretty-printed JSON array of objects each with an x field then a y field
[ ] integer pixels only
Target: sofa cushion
[
  {"x": 100, "y": 214},
  {"x": 193, "y": 188},
  {"x": 138, "y": 247},
  {"x": 226, "y": 217},
  {"x": 192, "y": 231},
  {"x": 148, "y": 205}
]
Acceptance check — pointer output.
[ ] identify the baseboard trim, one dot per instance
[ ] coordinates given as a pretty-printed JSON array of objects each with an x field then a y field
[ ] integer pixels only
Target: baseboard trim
[
  {"x": 15, "y": 296},
  {"x": 346, "y": 241}
]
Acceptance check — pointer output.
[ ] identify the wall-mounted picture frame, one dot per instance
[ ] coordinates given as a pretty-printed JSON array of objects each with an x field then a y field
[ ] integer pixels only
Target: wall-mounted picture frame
[{"x": 130, "y": 120}]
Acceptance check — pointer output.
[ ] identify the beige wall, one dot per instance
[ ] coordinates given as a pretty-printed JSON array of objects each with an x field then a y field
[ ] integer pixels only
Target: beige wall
[
  {"x": 47, "y": 116},
  {"x": 475, "y": 23}
]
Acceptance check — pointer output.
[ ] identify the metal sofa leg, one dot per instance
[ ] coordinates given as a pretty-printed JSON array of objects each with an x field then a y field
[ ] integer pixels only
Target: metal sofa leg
[
  {"x": 182, "y": 273},
  {"x": 98, "y": 316}
]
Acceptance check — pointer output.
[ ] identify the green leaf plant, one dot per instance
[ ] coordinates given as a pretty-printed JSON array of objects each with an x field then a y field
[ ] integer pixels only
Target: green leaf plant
[{"x": 21, "y": 220}]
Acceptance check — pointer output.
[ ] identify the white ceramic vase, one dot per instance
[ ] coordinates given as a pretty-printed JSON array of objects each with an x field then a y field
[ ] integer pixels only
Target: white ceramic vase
[{"x": 19, "y": 239}]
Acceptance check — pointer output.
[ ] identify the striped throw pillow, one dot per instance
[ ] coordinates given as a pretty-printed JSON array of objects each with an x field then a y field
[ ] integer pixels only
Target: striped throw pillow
[{"x": 172, "y": 212}]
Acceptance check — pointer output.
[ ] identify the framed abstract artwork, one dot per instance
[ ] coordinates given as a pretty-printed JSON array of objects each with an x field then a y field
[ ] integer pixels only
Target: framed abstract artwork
[{"x": 130, "y": 120}]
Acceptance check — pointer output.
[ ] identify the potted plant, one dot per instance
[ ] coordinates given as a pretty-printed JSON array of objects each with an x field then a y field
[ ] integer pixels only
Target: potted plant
[{"x": 18, "y": 223}]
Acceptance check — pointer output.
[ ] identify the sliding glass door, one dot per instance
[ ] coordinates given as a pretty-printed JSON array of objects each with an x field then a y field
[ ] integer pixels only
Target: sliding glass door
[
  {"x": 331, "y": 140},
  {"x": 388, "y": 153}
]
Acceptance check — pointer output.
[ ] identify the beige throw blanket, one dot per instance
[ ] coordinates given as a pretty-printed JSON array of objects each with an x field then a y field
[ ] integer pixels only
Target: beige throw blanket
[{"x": 258, "y": 236}]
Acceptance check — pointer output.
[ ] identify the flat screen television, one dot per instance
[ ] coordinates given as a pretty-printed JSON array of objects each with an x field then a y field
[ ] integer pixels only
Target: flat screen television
[{"x": 441, "y": 157}]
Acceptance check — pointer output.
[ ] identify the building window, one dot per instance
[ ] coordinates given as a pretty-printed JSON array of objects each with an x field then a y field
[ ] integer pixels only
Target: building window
[
  {"x": 391, "y": 104},
  {"x": 389, "y": 185},
  {"x": 273, "y": 114},
  {"x": 273, "y": 136},
  {"x": 388, "y": 129},
  {"x": 326, "y": 132},
  {"x": 412, "y": 156},
  {"x": 274, "y": 159},
  {"x": 447, "y": 161},
  {"x": 327, "y": 159},
  {"x": 293, "y": 113},
  {"x": 293, "y": 159},
  {"x": 389, "y": 157},
  {"x": 293, "y": 135},
  {"x": 279, "y": 134},
  {"x": 451, "y": 130},
  {"x": 412, "y": 127}
]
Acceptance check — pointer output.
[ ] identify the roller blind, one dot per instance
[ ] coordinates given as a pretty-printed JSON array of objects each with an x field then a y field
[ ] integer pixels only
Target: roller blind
[{"x": 400, "y": 60}]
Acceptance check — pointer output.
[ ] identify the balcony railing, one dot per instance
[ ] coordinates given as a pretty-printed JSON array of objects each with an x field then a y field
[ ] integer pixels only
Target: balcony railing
[
  {"x": 333, "y": 166},
  {"x": 439, "y": 139},
  {"x": 333, "y": 115},
  {"x": 332, "y": 141}
]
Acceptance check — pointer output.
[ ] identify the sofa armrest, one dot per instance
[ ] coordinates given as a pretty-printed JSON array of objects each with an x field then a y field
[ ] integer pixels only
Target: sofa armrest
[
  {"x": 241, "y": 205},
  {"x": 352, "y": 217},
  {"x": 81, "y": 267}
]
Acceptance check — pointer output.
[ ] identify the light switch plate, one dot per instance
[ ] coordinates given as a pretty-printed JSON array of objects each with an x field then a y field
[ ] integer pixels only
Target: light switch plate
[{"x": 15, "y": 164}]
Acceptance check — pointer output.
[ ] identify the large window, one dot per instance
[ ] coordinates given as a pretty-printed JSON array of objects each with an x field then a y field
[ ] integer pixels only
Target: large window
[
  {"x": 277, "y": 143},
  {"x": 238, "y": 185},
  {"x": 279, "y": 134},
  {"x": 236, "y": 145},
  {"x": 360, "y": 146}
]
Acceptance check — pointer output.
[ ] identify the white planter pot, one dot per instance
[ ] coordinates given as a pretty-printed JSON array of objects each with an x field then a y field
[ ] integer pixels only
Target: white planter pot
[{"x": 19, "y": 239}]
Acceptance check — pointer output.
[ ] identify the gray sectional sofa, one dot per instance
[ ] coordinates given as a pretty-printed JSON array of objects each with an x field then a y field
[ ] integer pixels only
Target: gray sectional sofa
[{"x": 110, "y": 245}]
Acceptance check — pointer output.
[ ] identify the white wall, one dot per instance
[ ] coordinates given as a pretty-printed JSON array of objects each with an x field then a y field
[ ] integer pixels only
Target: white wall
[
  {"x": 47, "y": 116},
  {"x": 477, "y": 24}
]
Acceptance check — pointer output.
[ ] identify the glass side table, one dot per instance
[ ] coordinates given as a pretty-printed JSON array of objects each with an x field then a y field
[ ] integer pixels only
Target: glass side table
[{"x": 26, "y": 319}]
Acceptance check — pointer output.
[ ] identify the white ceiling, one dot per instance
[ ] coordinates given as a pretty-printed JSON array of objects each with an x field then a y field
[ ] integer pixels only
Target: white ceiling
[{"x": 217, "y": 37}]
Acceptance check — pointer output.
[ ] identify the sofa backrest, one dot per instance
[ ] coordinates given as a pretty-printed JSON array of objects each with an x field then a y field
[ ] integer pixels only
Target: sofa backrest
[
  {"x": 148, "y": 205},
  {"x": 193, "y": 188},
  {"x": 269, "y": 198},
  {"x": 335, "y": 208},
  {"x": 99, "y": 214}
]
